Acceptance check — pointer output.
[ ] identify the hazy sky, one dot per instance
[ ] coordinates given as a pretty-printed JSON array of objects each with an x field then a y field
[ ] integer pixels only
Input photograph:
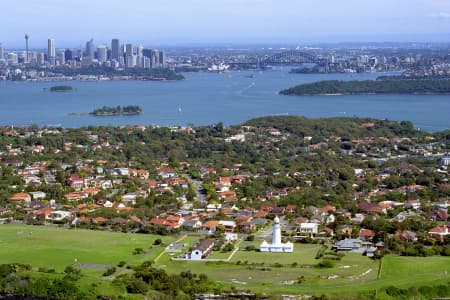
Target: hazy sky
[{"x": 151, "y": 22}]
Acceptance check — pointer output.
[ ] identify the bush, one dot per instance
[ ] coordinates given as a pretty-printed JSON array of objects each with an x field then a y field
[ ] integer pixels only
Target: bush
[
  {"x": 325, "y": 264},
  {"x": 157, "y": 242},
  {"x": 110, "y": 271},
  {"x": 250, "y": 238},
  {"x": 138, "y": 251},
  {"x": 121, "y": 263},
  {"x": 137, "y": 286},
  {"x": 250, "y": 248}
]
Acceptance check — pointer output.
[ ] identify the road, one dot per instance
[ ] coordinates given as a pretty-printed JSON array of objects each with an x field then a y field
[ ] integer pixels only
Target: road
[{"x": 201, "y": 197}]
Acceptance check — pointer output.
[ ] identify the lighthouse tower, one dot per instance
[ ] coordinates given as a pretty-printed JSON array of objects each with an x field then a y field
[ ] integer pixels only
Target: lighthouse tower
[
  {"x": 276, "y": 232},
  {"x": 276, "y": 245}
]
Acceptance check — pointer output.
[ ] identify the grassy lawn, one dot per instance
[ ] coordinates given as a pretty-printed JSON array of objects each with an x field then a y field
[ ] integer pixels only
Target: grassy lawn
[
  {"x": 354, "y": 274},
  {"x": 52, "y": 247}
]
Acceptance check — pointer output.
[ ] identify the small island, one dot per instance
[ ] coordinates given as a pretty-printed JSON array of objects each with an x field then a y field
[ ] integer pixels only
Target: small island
[
  {"x": 61, "y": 88},
  {"x": 117, "y": 111},
  {"x": 385, "y": 86}
]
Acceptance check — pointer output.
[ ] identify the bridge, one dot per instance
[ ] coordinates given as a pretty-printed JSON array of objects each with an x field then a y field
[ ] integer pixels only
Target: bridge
[{"x": 292, "y": 57}]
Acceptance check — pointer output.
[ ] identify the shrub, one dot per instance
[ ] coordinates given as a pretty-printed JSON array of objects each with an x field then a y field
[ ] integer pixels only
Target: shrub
[{"x": 324, "y": 264}]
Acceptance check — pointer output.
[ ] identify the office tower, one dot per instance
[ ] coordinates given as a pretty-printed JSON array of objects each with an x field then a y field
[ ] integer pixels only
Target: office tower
[
  {"x": 68, "y": 54},
  {"x": 139, "y": 50},
  {"x": 131, "y": 61},
  {"x": 129, "y": 50},
  {"x": 146, "y": 62},
  {"x": 162, "y": 59},
  {"x": 80, "y": 54},
  {"x": 102, "y": 53},
  {"x": 26, "y": 47},
  {"x": 13, "y": 59},
  {"x": 115, "y": 49},
  {"x": 90, "y": 48},
  {"x": 51, "y": 51},
  {"x": 62, "y": 57},
  {"x": 147, "y": 52},
  {"x": 40, "y": 59},
  {"x": 155, "y": 59},
  {"x": 1, "y": 51}
]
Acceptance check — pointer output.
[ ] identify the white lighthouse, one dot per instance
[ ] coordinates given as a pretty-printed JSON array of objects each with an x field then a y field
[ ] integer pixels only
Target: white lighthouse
[{"x": 276, "y": 245}]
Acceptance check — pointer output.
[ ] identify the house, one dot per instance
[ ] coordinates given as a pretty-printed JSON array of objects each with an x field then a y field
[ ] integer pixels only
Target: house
[
  {"x": 366, "y": 234},
  {"x": 58, "y": 215},
  {"x": 191, "y": 224},
  {"x": 354, "y": 245},
  {"x": 20, "y": 197},
  {"x": 38, "y": 195},
  {"x": 414, "y": 204},
  {"x": 439, "y": 232},
  {"x": 211, "y": 225},
  {"x": 406, "y": 236},
  {"x": 344, "y": 229},
  {"x": 201, "y": 251},
  {"x": 309, "y": 229},
  {"x": 228, "y": 225}
]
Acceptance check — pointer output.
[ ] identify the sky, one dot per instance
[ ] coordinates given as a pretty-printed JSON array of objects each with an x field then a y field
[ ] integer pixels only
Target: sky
[{"x": 186, "y": 22}]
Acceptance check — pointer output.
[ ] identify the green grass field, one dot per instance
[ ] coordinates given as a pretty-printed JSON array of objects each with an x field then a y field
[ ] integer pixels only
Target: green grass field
[
  {"x": 53, "y": 247},
  {"x": 57, "y": 248},
  {"x": 354, "y": 274}
]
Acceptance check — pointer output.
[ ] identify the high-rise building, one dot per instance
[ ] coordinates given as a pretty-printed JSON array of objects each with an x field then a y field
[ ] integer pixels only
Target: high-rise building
[
  {"x": 128, "y": 50},
  {"x": 162, "y": 59},
  {"x": 62, "y": 57},
  {"x": 13, "y": 59},
  {"x": 51, "y": 51},
  {"x": 139, "y": 51},
  {"x": 68, "y": 54},
  {"x": 102, "y": 53},
  {"x": 1, "y": 51},
  {"x": 147, "y": 52},
  {"x": 90, "y": 49},
  {"x": 155, "y": 59},
  {"x": 115, "y": 49},
  {"x": 40, "y": 58}
]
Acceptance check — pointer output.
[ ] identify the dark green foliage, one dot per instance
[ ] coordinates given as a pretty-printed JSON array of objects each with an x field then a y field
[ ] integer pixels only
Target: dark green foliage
[
  {"x": 431, "y": 86},
  {"x": 115, "y": 111}
]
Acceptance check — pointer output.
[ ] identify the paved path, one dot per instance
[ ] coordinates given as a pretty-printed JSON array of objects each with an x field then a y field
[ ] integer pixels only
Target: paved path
[{"x": 162, "y": 253}]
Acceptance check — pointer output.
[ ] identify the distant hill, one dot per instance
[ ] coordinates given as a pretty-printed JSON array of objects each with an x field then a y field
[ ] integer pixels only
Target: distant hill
[
  {"x": 345, "y": 127},
  {"x": 355, "y": 87}
]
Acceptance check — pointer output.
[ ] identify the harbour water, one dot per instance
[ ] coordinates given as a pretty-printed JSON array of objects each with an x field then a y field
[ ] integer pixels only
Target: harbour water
[{"x": 209, "y": 98}]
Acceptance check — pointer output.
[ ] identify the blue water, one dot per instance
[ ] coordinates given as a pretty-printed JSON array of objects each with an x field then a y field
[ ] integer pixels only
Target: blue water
[{"x": 206, "y": 98}]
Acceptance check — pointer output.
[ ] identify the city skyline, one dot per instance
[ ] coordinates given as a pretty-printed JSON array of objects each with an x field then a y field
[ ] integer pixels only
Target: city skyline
[{"x": 230, "y": 21}]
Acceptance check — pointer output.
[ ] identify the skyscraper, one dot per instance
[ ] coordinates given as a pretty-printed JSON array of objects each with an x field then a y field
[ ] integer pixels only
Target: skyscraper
[
  {"x": 115, "y": 49},
  {"x": 68, "y": 54},
  {"x": 162, "y": 59},
  {"x": 102, "y": 53},
  {"x": 90, "y": 48},
  {"x": 51, "y": 51},
  {"x": 128, "y": 49},
  {"x": 1, "y": 51}
]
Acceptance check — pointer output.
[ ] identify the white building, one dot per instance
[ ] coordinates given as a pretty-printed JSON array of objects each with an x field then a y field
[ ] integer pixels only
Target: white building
[
  {"x": 309, "y": 228},
  {"x": 276, "y": 245}
]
